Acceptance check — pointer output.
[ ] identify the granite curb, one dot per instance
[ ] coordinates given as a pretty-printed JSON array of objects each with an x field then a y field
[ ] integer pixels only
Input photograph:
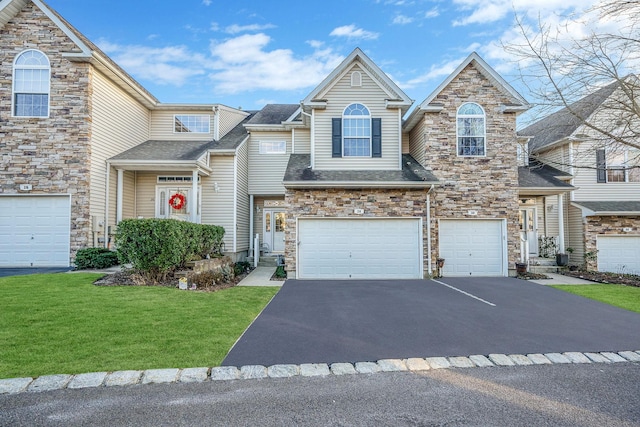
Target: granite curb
[{"x": 229, "y": 373}]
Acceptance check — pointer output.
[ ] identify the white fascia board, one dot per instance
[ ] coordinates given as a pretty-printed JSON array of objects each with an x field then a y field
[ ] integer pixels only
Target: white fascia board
[
  {"x": 358, "y": 184},
  {"x": 208, "y": 108},
  {"x": 159, "y": 164},
  {"x": 542, "y": 191},
  {"x": 588, "y": 212},
  {"x": 416, "y": 115},
  {"x": 293, "y": 116}
]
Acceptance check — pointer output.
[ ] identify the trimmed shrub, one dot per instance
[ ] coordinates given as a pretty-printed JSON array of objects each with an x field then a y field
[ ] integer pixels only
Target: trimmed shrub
[
  {"x": 95, "y": 258},
  {"x": 240, "y": 267},
  {"x": 157, "y": 247}
]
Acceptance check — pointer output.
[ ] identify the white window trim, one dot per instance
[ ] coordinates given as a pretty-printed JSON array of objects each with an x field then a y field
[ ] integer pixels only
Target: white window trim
[
  {"x": 263, "y": 147},
  {"x": 13, "y": 84},
  {"x": 177, "y": 179},
  {"x": 208, "y": 131},
  {"x": 356, "y": 79},
  {"x": 484, "y": 134},
  {"x": 622, "y": 167},
  {"x": 370, "y": 131}
]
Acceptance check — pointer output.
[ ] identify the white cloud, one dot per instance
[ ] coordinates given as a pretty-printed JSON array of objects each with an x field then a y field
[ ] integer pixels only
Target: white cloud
[
  {"x": 244, "y": 63},
  {"x": 402, "y": 20},
  {"x": 353, "y": 32},
  {"x": 206, "y": 2},
  {"x": 251, "y": 28},
  {"x": 435, "y": 72},
  {"x": 432, "y": 13}
]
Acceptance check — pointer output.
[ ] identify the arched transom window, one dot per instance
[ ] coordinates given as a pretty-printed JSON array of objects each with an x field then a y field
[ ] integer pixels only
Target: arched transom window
[
  {"x": 471, "y": 130},
  {"x": 356, "y": 131},
  {"x": 31, "y": 82}
]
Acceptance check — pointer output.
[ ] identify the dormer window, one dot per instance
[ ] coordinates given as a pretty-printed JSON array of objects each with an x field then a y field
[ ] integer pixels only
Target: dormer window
[
  {"x": 471, "y": 130},
  {"x": 31, "y": 84},
  {"x": 356, "y": 125}
]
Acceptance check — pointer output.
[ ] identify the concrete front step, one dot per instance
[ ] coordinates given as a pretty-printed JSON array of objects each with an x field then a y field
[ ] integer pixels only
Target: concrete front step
[{"x": 265, "y": 261}]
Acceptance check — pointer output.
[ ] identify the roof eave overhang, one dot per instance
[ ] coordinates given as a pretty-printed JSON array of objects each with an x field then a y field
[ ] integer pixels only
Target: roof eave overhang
[
  {"x": 164, "y": 165},
  {"x": 590, "y": 212},
  {"x": 543, "y": 191},
  {"x": 359, "y": 184}
]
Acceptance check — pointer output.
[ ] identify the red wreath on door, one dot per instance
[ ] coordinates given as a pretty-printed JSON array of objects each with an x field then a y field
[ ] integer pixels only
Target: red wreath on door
[{"x": 177, "y": 201}]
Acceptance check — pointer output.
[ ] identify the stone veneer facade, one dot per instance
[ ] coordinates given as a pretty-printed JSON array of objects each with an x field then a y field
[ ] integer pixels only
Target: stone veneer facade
[
  {"x": 51, "y": 154},
  {"x": 487, "y": 185},
  {"x": 607, "y": 225},
  {"x": 341, "y": 203}
]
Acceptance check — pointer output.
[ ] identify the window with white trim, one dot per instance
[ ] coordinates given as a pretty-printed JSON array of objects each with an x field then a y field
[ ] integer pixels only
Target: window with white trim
[
  {"x": 471, "y": 130},
  {"x": 31, "y": 84},
  {"x": 356, "y": 131},
  {"x": 191, "y": 123},
  {"x": 273, "y": 147},
  {"x": 623, "y": 166}
]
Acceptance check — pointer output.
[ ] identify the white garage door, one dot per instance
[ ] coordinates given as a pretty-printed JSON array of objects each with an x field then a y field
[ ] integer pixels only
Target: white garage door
[
  {"x": 619, "y": 254},
  {"x": 473, "y": 247},
  {"x": 360, "y": 248},
  {"x": 34, "y": 231}
]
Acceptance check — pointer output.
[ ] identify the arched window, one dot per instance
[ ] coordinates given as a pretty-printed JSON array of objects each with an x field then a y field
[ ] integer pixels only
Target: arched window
[
  {"x": 31, "y": 82},
  {"x": 471, "y": 130},
  {"x": 356, "y": 131},
  {"x": 356, "y": 79}
]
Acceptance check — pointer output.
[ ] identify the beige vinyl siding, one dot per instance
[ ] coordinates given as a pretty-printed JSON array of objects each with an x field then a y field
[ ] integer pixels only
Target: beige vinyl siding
[
  {"x": 585, "y": 178},
  {"x": 163, "y": 125},
  {"x": 146, "y": 194},
  {"x": 417, "y": 143},
  {"x": 129, "y": 195},
  {"x": 373, "y": 97},
  {"x": 267, "y": 170},
  {"x": 217, "y": 207},
  {"x": 575, "y": 238},
  {"x": 405, "y": 143},
  {"x": 303, "y": 141},
  {"x": 119, "y": 122},
  {"x": 258, "y": 218},
  {"x": 229, "y": 118},
  {"x": 557, "y": 157},
  {"x": 242, "y": 198},
  {"x": 551, "y": 221}
]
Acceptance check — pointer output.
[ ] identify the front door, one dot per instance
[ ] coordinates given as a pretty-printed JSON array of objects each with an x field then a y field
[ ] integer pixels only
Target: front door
[
  {"x": 274, "y": 227},
  {"x": 528, "y": 226},
  {"x": 176, "y": 203}
]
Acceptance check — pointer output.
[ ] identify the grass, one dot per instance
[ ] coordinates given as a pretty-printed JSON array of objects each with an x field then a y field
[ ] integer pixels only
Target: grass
[
  {"x": 61, "y": 323},
  {"x": 627, "y": 297}
]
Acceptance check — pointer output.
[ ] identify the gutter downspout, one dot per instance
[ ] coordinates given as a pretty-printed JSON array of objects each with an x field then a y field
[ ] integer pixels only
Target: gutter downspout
[
  {"x": 106, "y": 206},
  {"x": 430, "y": 267}
]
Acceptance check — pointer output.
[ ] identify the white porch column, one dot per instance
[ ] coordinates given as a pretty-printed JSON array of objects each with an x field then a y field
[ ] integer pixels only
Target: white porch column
[
  {"x": 251, "y": 223},
  {"x": 194, "y": 196},
  {"x": 119, "y": 196},
  {"x": 560, "y": 224}
]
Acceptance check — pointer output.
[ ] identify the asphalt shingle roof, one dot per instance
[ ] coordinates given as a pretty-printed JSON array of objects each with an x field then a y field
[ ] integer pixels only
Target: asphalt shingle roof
[
  {"x": 165, "y": 150},
  {"x": 612, "y": 206},
  {"x": 273, "y": 114},
  {"x": 563, "y": 123},
  {"x": 541, "y": 176},
  {"x": 298, "y": 170},
  {"x": 234, "y": 137}
]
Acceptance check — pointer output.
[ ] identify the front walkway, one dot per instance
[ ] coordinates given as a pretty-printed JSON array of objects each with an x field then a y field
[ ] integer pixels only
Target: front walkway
[
  {"x": 261, "y": 276},
  {"x": 559, "y": 279}
]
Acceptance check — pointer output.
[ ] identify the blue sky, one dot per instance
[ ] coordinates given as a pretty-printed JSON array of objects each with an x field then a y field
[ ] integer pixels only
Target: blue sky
[{"x": 250, "y": 53}]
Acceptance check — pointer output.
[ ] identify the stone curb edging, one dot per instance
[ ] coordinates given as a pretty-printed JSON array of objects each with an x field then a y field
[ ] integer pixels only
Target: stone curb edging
[{"x": 227, "y": 373}]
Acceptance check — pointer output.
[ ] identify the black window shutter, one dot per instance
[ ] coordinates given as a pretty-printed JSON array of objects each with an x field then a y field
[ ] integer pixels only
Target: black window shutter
[
  {"x": 336, "y": 137},
  {"x": 376, "y": 137},
  {"x": 601, "y": 162}
]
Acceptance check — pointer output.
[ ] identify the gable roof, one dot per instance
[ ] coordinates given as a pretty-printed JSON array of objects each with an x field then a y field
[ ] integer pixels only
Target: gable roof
[
  {"x": 87, "y": 51},
  {"x": 274, "y": 114},
  {"x": 613, "y": 208},
  {"x": 517, "y": 101},
  {"x": 542, "y": 179},
  {"x": 397, "y": 97},
  {"x": 564, "y": 122}
]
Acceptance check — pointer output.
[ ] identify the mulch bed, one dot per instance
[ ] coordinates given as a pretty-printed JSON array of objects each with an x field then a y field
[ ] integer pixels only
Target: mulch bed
[
  {"x": 531, "y": 276},
  {"x": 597, "y": 276},
  {"x": 130, "y": 278}
]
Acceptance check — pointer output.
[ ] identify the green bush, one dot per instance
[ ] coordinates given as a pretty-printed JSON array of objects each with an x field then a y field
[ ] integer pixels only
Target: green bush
[
  {"x": 157, "y": 247},
  {"x": 95, "y": 258},
  {"x": 240, "y": 267},
  {"x": 280, "y": 272}
]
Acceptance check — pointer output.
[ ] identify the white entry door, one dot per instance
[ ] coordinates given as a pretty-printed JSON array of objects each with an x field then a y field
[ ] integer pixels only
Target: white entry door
[
  {"x": 274, "y": 228},
  {"x": 176, "y": 203},
  {"x": 35, "y": 231},
  {"x": 529, "y": 227}
]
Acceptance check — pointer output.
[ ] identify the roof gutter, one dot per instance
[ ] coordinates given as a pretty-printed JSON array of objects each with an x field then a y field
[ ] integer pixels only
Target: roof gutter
[{"x": 359, "y": 184}]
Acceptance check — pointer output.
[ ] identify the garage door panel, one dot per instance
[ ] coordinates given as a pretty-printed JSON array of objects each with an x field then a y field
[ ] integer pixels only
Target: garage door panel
[
  {"x": 35, "y": 231},
  {"x": 472, "y": 247},
  {"x": 619, "y": 254},
  {"x": 359, "y": 248}
]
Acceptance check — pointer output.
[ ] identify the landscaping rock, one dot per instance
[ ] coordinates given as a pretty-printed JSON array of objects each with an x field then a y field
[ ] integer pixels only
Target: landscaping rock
[
  {"x": 282, "y": 371},
  {"x": 557, "y": 358},
  {"x": 49, "y": 382},
  {"x": 632, "y": 356},
  {"x": 251, "y": 372},
  {"x": 224, "y": 373},
  {"x": 461, "y": 362},
  {"x": 438, "y": 362},
  {"x": 123, "y": 378},
  {"x": 314, "y": 370},
  {"x": 520, "y": 359},
  {"x": 576, "y": 357},
  {"x": 94, "y": 379},
  {"x": 481, "y": 361},
  {"x": 343, "y": 369},
  {"x": 14, "y": 385},
  {"x": 539, "y": 359},
  {"x": 160, "y": 376},
  {"x": 194, "y": 375},
  {"x": 614, "y": 357},
  {"x": 597, "y": 357},
  {"x": 501, "y": 359},
  {"x": 417, "y": 364},
  {"x": 392, "y": 365},
  {"x": 367, "y": 367}
]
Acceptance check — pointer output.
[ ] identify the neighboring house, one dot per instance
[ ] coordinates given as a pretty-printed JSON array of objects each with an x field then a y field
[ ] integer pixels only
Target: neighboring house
[
  {"x": 345, "y": 184},
  {"x": 602, "y": 214}
]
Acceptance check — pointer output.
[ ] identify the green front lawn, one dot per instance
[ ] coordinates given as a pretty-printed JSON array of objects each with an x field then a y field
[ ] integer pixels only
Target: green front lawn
[
  {"x": 627, "y": 297},
  {"x": 61, "y": 323}
]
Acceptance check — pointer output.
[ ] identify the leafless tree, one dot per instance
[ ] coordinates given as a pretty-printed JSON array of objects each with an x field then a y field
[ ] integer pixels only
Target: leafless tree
[{"x": 580, "y": 75}]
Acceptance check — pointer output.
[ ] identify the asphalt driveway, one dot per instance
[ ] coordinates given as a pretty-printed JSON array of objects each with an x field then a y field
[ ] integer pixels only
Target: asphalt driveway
[
  {"x": 368, "y": 320},
  {"x": 23, "y": 271}
]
